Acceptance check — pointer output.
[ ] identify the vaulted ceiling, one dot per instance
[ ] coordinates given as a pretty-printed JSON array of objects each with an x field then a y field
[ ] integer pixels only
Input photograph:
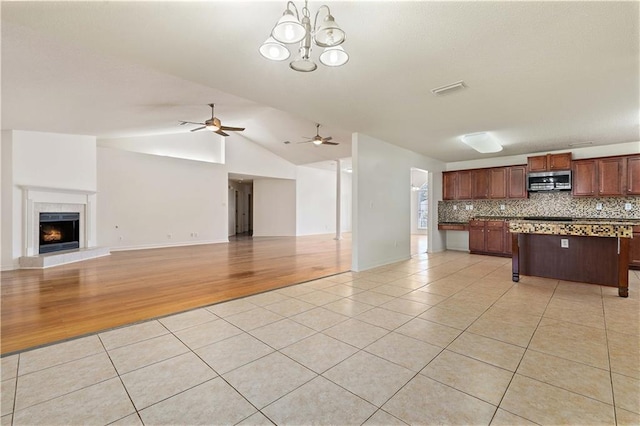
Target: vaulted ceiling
[{"x": 539, "y": 75}]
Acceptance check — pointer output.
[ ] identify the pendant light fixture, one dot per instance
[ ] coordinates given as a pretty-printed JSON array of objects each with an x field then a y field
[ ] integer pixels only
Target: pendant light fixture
[{"x": 292, "y": 29}]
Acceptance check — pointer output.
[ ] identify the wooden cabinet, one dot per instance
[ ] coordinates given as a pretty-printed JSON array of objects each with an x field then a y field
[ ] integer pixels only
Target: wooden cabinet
[
  {"x": 478, "y": 184},
  {"x": 585, "y": 178},
  {"x": 498, "y": 182},
  {"x": 606, "y": 177},
  {"x": 456, "y": 185},
  {"x": 611, "y": 175},
  {"x": 634, "y": 252},
  {"x": 480, "y": 179},
  {"x": 633, "y": 175},
  {"x": 516, "y": 182},
  {"x": 463, "y": 186},
  {"x": 549, "y": 162},
  {"x": 476, "y": 236},
  {"x": 449, "y": 185},
  {"x": 488, "y": 237}
]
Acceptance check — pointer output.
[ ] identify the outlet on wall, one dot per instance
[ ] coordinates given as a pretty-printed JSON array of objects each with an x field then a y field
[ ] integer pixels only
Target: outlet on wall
[
  {"x": 628, "y": 206},
  {"x": 455, "y": 207},
  {"x": 598, "y": 206},
  {"x": 564, "y": 242},
  {"x": 502, "y": 207}
]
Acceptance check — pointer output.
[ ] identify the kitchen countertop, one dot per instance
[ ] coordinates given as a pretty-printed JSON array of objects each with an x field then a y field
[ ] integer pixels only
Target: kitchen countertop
[{"x": 577, "y": 227}]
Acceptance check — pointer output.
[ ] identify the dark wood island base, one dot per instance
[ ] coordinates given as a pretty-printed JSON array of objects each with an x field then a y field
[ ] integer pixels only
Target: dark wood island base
[{"x": 563, "y": 255}]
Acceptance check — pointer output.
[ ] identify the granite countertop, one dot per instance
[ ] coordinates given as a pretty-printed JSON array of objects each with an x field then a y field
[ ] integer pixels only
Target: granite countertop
[{"x": 586, "y": 228}]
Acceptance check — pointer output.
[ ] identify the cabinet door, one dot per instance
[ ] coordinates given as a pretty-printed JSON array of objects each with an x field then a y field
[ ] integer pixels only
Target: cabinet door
[
  {"x": 610, "y": 176},
  {"x": 508, "y": 242},
  {"x": 480, "y": 180},
  {"x": 463, "y": 185},
  {"x": 498, "y": 183},
  {"x": 476, "y": 236},
  {"x": 585, "y": 178},
  {"x": 634, "y": 252},
  {"x": 495, "y": 236},
  {"x": 537, "y": 164},
  {"x": 559, "y": 161},
  {"x": 449, "y": 185},
  {"x": 633, "y": 175},
  {"x": 517, "y": 182}
]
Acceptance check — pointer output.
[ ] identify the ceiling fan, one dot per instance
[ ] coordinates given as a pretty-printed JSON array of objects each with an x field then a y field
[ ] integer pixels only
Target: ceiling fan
[
  {"x": 319, "y": 140},
  {"x": 214, "y": 125}
]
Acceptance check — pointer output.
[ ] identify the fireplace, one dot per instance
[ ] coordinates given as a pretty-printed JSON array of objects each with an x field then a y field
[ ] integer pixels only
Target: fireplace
[{"x": 59, "y": 231}]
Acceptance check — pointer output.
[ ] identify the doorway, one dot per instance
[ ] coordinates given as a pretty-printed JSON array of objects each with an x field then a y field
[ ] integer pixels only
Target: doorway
[
  {"x": 240, "y": 207},
  {"x": 419, "y": 210}
]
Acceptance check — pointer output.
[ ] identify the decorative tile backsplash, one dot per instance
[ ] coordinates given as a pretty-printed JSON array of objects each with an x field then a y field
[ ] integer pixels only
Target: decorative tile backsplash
[{"x": 541, "y": 204}]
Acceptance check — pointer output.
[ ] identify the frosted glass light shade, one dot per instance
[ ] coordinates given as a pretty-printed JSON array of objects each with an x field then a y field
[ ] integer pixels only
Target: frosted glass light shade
[
  {"x": 303, "y": 65},
  {"x": 329, "y": 33},
  {"x": 482, "y": 142},
  {"x": 274, "y": 50},
  {"x": 288, "y": 29},
  {"x": 334, "y": 56}
]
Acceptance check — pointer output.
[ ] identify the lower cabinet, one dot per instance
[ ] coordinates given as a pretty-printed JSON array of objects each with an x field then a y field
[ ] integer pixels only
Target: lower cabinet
[
  {"x": 634, "y": 252},
  {"x": 489, "y": 237}
]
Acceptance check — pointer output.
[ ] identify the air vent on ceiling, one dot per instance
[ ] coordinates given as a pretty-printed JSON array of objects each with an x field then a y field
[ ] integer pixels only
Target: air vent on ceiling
[{"x": 449, "y": 88}]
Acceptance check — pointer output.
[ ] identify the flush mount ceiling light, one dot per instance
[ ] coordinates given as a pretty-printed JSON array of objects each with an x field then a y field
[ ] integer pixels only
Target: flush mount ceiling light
[
  {"x": 482, "y": 142},
  {"x": 291, "y": 29}
]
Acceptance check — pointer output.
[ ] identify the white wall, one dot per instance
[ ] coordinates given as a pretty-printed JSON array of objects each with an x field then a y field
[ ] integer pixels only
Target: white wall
[
  {"x": 245, "y": 157},
  {"x": 315, "y": 201},
  {"x": 145, "y": 198},
  {"x": 200, "y": 146},
  {"x": 274, "y": 212},
  {"x": 381, "y": 228},
  {"x": 48, "y": 160}
]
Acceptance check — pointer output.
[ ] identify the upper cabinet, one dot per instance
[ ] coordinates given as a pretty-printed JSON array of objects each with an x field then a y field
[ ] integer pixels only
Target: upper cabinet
[
  {"x": 549, "y": 162},
  {"x": 633, "y": 175},
  {"x": 478, "y": 184},
  {"x": 605, "y": 177}
]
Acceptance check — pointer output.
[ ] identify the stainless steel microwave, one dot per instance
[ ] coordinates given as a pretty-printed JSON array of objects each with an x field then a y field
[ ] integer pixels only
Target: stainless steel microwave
[{"x": 549, "y": 181}]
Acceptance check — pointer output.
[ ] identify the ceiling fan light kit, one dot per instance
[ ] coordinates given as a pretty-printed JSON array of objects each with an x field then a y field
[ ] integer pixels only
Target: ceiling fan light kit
[
  {"x": 213, "y": 124},
  {"x": 291, "y": 29}
]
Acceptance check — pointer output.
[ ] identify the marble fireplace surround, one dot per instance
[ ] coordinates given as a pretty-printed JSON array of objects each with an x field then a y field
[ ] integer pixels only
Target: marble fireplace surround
[{"x": 38, "y": 200}]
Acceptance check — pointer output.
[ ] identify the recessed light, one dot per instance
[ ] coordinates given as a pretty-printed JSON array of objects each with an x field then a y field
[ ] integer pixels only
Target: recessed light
[{"x": 287, "y": 142}]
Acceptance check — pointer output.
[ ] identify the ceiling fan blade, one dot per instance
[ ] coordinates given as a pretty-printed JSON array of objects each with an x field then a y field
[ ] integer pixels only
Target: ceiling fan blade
[
  {"x": 232, "y": 129},
  {"x": 330, "y": 143},
  {"x": 305, "y": 141},
  {"x": 328, "y": 138},
  {"x": 199, "y": 128},
  {"x": 221, "y": 133},
  {"x": 182, "y": 123}
]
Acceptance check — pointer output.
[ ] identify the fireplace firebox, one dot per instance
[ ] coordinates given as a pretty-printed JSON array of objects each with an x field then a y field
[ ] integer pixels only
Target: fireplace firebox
[{"x": 59, "y": 231}]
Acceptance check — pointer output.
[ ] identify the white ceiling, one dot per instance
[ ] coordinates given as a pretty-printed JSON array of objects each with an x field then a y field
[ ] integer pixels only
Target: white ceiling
[{"x": 540, "y": 75}]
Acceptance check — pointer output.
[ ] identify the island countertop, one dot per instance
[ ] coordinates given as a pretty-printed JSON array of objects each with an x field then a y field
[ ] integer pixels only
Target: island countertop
[{"x": 578, "y": 227}]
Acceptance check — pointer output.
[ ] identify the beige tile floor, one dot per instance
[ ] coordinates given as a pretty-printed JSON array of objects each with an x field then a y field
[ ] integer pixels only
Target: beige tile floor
[{"x": 445, "y": 338}]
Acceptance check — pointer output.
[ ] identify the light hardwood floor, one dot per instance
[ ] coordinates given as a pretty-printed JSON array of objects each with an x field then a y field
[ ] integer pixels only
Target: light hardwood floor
[{"x": 45, "y": 306}]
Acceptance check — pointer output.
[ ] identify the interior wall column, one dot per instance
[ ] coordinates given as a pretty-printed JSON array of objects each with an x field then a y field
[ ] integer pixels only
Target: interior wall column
[{"x": 338, "y": 199}]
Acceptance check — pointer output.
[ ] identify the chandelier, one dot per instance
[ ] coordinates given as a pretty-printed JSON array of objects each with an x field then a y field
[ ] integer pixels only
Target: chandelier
[{"x": 290, "y": 29}]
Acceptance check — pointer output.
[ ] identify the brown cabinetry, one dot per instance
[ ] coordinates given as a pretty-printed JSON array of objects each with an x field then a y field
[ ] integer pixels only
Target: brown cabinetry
[
  {"x": 634, "y": 249},
  {"x": 488, "y": 237},
  {"x": 633, "y": 175},
  {"x": 478, "y": 184},
  {"x": 606, "y": 177},
  {"x": 456, "y": 185},
  {"x": 517, "y": 182},
  {"x": 480, "y": 179},
  {"x": 585, "y": 178},
  {"x": 549, "y": 162}
]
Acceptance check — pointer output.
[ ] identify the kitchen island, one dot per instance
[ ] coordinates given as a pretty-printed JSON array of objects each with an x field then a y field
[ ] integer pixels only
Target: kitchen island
[{"x": 590, "y": 251}]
